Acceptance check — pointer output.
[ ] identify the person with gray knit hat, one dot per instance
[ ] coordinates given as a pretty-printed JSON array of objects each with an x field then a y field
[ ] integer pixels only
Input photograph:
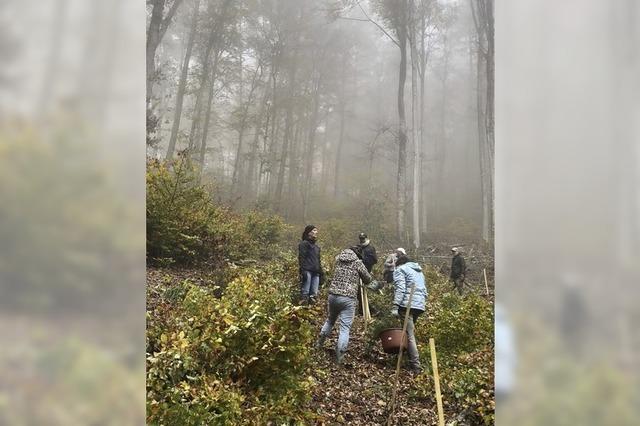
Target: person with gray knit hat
[{"x": 345, "y": 285}]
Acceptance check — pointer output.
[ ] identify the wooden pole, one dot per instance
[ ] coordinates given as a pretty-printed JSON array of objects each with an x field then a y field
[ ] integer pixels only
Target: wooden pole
[
  {"x": 392, "y": 408},
  {"x": 436, "y": 379},
  {"x": 486, "y": 286}
]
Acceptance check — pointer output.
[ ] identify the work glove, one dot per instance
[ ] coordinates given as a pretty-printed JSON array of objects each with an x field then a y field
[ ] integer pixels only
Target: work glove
[
  {"x": 373, "y": 285},
  {"x": 321, "y": 280},
  {"x": 394, "y": 311}
]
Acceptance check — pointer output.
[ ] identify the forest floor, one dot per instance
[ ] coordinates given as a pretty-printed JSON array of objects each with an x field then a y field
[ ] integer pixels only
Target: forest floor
[{"x": 359, "y": 391}]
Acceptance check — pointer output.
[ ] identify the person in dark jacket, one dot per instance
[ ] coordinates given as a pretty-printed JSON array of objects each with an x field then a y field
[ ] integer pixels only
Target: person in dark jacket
[
  {"x": 345, "y": 285},
  {"x": 458, "y": 270},
  {"x": 369, "y": 256},
  {"x": 309, "y": 264}
]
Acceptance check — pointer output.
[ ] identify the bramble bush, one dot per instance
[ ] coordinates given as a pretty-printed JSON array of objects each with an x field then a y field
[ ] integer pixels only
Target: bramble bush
[{"x": 235, "y": 359}]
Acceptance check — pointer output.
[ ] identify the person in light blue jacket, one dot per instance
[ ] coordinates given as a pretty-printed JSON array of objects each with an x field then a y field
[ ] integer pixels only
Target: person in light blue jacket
[{"x": 407, "y": 275}]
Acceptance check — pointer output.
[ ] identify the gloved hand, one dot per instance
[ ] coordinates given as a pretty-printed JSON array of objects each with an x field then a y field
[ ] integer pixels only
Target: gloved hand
[
  {"x": 373, "y": 285},
  {"x": 321, "y": 279},
  {"x": 394, "y": 311}
]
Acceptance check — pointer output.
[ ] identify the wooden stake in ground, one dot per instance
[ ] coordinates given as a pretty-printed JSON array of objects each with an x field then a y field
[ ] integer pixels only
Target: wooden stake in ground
[
  {"x": 366, "y": 314},
  {"x": 436, "y": 379},
  {"x": 486, "y": 286},
  {"x": 392, "y": 406}
]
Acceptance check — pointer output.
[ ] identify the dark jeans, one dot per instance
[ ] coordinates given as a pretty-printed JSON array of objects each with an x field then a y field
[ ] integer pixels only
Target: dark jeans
[{"x": 458, "y": 283}]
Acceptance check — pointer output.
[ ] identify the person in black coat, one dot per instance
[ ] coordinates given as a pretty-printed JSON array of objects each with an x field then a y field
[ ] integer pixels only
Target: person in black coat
[
  {"x": 309, "y": 264},
  {"x": 458, "y": 270},
  {"x": 369, "y": 256}
]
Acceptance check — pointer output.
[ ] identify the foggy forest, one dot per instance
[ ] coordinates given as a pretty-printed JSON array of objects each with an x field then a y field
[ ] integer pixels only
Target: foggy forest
[
  {"x": 367, "y": 121},
  {"x": 378, "y": 111}
]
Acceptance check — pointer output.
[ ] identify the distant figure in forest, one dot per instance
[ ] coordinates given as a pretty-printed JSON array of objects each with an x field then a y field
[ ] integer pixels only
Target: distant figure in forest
[
  {"x": 390, "y": 264},
  {"x": 458, "y": 270},
  {"x": 369, "y": 256},
  {"x": 345, "y": 285},
  {"x": 408, "y": 275},
  {"x": 310, "y": 268}
]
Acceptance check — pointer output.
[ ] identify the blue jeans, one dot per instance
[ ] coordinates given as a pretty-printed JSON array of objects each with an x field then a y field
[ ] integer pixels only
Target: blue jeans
[
  {"x": 412, "y": 351},
  {"x": 342, "y": 308},
  {"x": 310, "y": 284}
]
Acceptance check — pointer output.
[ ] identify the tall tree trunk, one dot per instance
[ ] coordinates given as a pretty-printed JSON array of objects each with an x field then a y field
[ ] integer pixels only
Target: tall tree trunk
[
  {"x": 237, "y": 168},
  {"x": 416, "y": 142},
  {"x": 343, "y": 102},
  {"x": 158, "y": 25},
  {"x": 324, "y": 177},
  {"x": 402, "y": 129},
  {"x": 207, "y": 116},
  {"x": 490, "y": 124},
  {"x": 288, "y": 130},
  {"x": 211, "y": 42},
  {"x": 175, "y": 127},
  {"x": 250, "y": 182},
  {"x": 313, "y": 125}
]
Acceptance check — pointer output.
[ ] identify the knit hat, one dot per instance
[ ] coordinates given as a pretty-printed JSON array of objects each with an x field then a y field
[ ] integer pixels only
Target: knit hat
[{"x": 401, "y": 251}]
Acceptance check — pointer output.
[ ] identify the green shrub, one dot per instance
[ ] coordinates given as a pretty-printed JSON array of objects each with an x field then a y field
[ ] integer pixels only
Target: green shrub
[
  {"x": 462, "y": 328},
  {"x": 185, "y": 226},
  {"x": 236, "y": 359}
]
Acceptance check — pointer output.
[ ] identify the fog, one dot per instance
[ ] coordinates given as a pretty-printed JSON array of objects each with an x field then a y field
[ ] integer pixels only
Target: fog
[
  {"x": 318, "y": 81},
  {"x": 73, "y": 153}
]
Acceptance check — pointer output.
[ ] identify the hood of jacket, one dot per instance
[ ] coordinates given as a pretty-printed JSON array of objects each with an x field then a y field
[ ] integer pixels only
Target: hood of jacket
[
  {"x": 347, "y": 256},
  {"x": 414, "y": 266}
]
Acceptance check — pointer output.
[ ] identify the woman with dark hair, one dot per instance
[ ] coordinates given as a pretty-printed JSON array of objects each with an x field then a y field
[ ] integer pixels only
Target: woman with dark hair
[{"x": 309, "y": 265}]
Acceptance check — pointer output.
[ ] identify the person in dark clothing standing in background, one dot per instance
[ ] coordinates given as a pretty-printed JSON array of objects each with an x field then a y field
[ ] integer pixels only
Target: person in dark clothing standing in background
[
  {"x": 369, "y": 256},
  {"x": 458, "y": 270},
  {"x": 309, "y": 264}
]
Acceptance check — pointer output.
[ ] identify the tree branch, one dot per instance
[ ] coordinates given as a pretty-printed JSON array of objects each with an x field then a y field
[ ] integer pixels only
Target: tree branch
[
  {"x": 167, "y": 20},
  {"x": 377, "y": 25}
]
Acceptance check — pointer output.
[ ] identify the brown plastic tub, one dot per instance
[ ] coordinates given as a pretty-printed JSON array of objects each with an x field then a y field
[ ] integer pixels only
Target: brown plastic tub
[{"x": 391, "y": 339}]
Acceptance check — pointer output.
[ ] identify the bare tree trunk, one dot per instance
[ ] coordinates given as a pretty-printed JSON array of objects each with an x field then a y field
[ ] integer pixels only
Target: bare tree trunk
[
  {"x": 313, "y": 125},
  {"x": 490, "y": 126},
  {"x": 175, "y": 127},
  {"x": 207, "y": 116},
  {"x": 402, "y": 129},
  {"x": 416, "y": 142},
  {"x": 343, "y": 102},
  {"x": 482, "y": 14},
  {"x": 237, "y": 168},
  {"x": 325, "y": 157},
  {"x": 288, "y": 130},
  {"x": 158, "y": 25},
  {"x": 253, "y": 155}
]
